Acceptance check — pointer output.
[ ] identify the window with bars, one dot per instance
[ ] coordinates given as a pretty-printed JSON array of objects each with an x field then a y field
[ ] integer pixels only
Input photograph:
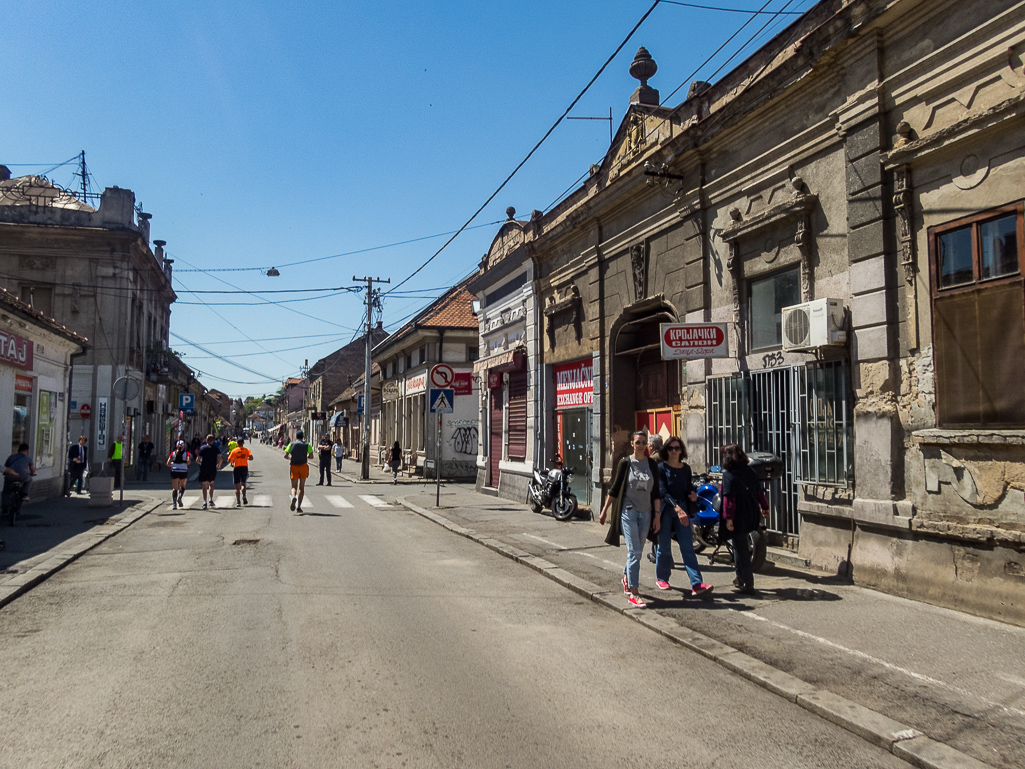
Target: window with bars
[
  {"x": 978, "y": 313},
  {"x": 822, "y": 415}
]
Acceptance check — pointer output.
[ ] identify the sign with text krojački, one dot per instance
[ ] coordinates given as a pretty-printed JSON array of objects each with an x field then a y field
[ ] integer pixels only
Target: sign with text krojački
[{"x": 693, "y": 340}]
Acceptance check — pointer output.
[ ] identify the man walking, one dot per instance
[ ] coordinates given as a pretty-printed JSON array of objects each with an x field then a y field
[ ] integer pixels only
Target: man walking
[
  {"x": 325, "y": 459},
  {"x": 145, "y": 457},
  {"x": 115, "y": 454},
  {"x": 239, "y": 459},
  {"x": 209, "y": 463},
  {"x": 77, "y": 456},
  {"x": 298, "y": 454}
]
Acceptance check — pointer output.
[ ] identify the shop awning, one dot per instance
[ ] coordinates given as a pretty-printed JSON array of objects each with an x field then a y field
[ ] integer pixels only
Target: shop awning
[
  {"x": 494, "y": 361},
  {"x": 336, "y": 419}
]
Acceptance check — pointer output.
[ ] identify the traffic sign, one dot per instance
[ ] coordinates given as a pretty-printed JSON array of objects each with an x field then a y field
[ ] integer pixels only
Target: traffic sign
[
  {"x": 359, "y": 403},
  {"x": 85, "y": 411},
  {"x": 442, "y": 375},
  {"x": 186, "y": 402},
  {"x": 441, "y": 400}
]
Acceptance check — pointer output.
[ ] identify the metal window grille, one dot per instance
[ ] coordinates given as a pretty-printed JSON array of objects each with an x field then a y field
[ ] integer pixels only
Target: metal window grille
[
  {"x": 824, "y": 426},
  {"x": 727, "y": 414},
  {"x": 772, "y": 431}
]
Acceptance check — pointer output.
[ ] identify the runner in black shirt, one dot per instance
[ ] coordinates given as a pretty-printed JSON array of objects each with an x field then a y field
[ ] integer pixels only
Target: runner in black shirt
[{"x": 209, "y": 463}]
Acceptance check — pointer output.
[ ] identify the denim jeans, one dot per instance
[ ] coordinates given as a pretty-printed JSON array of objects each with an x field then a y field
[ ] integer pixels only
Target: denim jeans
[
  {"x": 338, "y": 464},
  {"x": 671, "y": 529},
  {"x": 635, "y": 526},
  {"x": 742, "y": 557},
  {"x": 142, "y": 469}
]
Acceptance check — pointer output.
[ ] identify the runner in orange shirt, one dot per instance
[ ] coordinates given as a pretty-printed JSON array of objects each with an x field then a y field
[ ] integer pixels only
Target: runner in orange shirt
[{"x": 239, "y": 459}]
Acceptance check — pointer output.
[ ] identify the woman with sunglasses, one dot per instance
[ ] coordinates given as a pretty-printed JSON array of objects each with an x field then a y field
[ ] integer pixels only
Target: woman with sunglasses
[
  {"x": 633, "y": 497},
  {"x": 676, "y": 487}
]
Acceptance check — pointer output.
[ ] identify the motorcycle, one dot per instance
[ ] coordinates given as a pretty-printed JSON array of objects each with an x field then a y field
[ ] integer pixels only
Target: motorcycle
[
  {"x": 707, "y": 523},
  {"x": 551, "y": 489}
]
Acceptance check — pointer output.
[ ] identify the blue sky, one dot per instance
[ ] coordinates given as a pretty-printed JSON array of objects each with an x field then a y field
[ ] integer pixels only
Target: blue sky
[{"x": 260, "y": 134}]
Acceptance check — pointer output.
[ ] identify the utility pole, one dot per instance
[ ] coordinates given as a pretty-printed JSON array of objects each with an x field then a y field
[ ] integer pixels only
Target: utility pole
[
  {"x": 364, "y": 472},
  {"x": 85, "y": 177}
]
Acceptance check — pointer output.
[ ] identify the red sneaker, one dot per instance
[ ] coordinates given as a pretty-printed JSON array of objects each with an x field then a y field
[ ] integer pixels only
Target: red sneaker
[
  {"x": 636, "y": 600},
  {"x": 626, "y": 590},
  {"x": 701, "y": 589},
  {"x": 661, "y": 584}
]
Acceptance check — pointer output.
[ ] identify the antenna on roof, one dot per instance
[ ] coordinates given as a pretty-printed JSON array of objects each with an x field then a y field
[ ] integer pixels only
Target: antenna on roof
[{"x": 84, "y": 174}]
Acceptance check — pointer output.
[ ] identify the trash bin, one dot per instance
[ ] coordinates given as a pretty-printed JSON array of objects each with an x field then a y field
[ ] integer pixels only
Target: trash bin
[{"x": 101, "y": 491}]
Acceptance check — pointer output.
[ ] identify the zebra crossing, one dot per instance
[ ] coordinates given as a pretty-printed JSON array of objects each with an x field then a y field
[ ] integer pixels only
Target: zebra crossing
[{"x": 227, "y": 500}]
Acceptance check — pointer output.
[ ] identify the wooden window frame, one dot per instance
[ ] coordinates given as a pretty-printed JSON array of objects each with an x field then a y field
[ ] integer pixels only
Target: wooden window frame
[{"x": 937, "y": 291}]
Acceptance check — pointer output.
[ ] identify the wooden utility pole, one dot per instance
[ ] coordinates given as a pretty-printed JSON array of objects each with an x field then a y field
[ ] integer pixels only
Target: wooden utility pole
[{"x": 364, "y": 472}]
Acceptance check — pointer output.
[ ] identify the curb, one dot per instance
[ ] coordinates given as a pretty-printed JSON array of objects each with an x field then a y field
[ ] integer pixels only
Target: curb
[
  {"x": 70, "y": 552},
  {"x": 901, "y": 740}
]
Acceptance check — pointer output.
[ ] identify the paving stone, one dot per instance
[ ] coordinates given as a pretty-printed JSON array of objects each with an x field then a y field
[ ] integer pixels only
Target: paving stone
[{"x": 929, "y": 754}]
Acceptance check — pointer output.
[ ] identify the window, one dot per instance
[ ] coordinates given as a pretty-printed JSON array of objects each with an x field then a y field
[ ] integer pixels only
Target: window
[
  {"x": 766, "y": 300},
  {"x": 472, "y": 352},
  {"x": 978, "y": 312}
]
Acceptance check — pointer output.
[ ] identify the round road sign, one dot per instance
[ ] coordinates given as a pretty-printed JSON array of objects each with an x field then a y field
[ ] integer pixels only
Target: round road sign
[
  {"x": 85, "y": 411},
  {"x": 442, "y": 375}
]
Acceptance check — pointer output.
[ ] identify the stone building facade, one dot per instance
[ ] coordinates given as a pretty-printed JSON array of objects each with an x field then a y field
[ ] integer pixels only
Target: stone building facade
[
  {"x": 871, "y": 154},
  {"x": 94, "y": 271}
]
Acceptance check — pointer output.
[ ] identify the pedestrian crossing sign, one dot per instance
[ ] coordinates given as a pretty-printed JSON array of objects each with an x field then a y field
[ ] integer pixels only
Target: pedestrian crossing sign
[{"x": 441, "y": 400}]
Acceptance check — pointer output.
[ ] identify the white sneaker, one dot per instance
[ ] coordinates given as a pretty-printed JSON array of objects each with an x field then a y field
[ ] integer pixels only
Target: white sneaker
[{"x": 291, "y": 506}]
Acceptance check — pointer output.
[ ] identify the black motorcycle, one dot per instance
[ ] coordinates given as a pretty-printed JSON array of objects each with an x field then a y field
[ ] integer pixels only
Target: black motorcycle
[{"x": 551, "y": 489}]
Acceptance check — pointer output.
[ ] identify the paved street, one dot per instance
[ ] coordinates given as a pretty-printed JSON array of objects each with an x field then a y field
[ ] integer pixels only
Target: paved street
[{"x": 360, "y": 634}]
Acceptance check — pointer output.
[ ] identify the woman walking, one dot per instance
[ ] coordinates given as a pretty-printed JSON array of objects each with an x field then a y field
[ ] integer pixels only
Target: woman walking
[
  {"x": 742, "y": 500},
  {"x": 633, "y": 497},
  {"x": 179, "y": 461},
  {"x": 395, "y": 460},
  {"x": 676, "y": 487},
  {"x": 339, "y": 452}
]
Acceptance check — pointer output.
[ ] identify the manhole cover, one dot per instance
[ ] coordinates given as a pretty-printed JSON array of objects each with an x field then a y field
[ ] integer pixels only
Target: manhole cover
[{"x": 246, "y": 542}]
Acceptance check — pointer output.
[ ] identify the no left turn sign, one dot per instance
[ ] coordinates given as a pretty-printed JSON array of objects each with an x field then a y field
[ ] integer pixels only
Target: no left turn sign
[{"x": 442, "y": 375}]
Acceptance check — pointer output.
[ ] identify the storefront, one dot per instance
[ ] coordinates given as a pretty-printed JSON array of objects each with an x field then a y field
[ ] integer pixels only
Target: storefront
[
  {"x": 35, "y": 366},
  {"x": 574, "y": 401}
]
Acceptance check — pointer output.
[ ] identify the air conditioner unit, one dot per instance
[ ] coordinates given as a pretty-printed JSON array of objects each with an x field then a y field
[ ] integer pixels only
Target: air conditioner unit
[{"x": 814, "y": 324}]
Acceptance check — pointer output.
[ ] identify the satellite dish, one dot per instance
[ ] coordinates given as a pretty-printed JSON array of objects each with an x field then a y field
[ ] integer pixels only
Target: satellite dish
[{"x": 126, "y": 389}]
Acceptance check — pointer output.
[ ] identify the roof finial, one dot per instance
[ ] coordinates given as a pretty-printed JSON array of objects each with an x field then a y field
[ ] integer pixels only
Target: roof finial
[{"x": 643, "y": 67}]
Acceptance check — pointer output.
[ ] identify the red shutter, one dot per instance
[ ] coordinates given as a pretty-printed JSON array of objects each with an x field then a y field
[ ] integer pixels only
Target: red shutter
[
  {"x": 495, "y": 444},
  {"x": 518, "y": 415}
]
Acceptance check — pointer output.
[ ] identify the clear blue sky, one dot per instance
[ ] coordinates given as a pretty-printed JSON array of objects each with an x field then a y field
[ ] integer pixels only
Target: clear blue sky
[{"x": 263, "y": 133}]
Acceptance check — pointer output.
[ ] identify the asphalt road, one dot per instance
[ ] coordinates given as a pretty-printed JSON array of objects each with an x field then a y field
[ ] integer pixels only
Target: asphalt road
[{"x": 360, "y": 636}]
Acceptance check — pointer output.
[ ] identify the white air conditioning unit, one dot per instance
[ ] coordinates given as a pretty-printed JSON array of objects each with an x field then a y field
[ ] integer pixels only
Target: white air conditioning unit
[{"x": 814, "y": 324}]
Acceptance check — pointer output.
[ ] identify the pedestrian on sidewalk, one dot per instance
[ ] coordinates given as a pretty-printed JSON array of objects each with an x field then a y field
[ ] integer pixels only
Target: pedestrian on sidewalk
[
  {"x": 78, "y": 456},
  {"x": 115, "y": 454},
  {"x": 179, "y": 461},
  {"x": 298, "y": 453},
  {"x": 239, "y": 459},
  {"x": 742, "y": 500},
  {"x": 145, "y": 457},
  {"x": 209, "y": 463},
  {"x": 676, "y": 487},
  {"x": 339, "y": 451},
  {"x": 395, "y": 460},
  {"x": 633, "y": 497},
  {"x": 324, "y": 447},
  {"x": 18, "y": 467}
]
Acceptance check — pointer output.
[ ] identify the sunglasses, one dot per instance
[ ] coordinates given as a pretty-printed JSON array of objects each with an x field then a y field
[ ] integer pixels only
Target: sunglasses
[{"x": 674, "y": 447}]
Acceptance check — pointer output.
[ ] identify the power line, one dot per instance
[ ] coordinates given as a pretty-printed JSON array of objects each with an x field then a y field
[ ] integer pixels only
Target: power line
[
  {"x": 724, "y": 10},
  {"x": 535, "y": 147}
]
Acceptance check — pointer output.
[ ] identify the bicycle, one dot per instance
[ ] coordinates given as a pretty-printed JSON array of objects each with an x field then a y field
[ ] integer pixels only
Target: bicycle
[{"x": 11, "y": 501}]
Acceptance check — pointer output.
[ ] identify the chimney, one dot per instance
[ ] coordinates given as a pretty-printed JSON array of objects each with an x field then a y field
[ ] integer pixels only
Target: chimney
[
  {"x": 5, "y": 173},
  {"x": 643, "y": 67},
  {"x": 379, "y": 326}
]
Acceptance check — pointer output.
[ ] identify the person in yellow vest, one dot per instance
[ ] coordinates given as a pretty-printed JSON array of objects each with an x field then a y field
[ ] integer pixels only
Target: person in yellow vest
[{"x": 115, "y": 454}]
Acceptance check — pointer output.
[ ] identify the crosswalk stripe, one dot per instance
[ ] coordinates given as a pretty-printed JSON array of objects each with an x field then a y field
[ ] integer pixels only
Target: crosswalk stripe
[
  {"x": 339, "y": 501},
  {"x": 188, "y": 501},
  {"x": 373, "y": 501},
  {"x": 262, "y": 500}
]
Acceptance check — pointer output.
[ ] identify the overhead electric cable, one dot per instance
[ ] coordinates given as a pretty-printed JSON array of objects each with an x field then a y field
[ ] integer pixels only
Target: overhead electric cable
[{"x": 533, "y": 150}]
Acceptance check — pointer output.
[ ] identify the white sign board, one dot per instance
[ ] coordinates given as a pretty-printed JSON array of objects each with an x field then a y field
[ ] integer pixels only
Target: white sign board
[{"x": 681, "y": 341}]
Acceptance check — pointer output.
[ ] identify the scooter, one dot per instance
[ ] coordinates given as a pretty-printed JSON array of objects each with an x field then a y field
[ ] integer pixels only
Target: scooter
[
  {"x": 707, "y": 523},
  {"x": 551, "y": 489}
]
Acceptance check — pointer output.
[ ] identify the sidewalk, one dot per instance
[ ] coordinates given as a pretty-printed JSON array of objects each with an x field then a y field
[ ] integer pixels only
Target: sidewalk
[
  {"x": 937, "y": 687},
  {"x": 51, "y": 533}
]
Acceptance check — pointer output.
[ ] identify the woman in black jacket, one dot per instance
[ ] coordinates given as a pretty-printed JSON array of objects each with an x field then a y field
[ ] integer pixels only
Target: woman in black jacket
[
  {"x": 676, "y": 486},
  {"x": 742, "y": 501},
  {"x": 633, "y": 499}
]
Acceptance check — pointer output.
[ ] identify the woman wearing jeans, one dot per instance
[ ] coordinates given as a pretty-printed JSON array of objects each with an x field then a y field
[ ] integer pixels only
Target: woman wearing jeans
[
  {"x": 676, "y": 486},
  {"x": 633, "y": 497},
  {"x": 742, "y": 501}
]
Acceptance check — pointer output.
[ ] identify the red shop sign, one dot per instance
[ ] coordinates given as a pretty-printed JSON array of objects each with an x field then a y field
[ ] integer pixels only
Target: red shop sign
[
  {"x": 23, "y": 384},
  {"x": 494, "y": 380},
  {"x": 15, "y": 350},
  {"x": 462, "y": 383},
  {"x": 574, "y": 384}
]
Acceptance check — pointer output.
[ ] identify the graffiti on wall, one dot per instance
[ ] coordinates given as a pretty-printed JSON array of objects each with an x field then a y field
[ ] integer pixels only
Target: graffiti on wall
[{"x": 463, "y": 437}]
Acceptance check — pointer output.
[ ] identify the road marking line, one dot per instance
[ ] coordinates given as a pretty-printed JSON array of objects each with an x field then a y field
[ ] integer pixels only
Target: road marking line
[
  {"x": 592, "y": 555},
  {"x": 339, "y": 501},
  {"x": 877, "y": 661},
  {"x": 188, "y": 501},
  {"x": 374, "y": 501},
  {"x": 261, "y": 500},
  {"x": 556, "y": 545}
]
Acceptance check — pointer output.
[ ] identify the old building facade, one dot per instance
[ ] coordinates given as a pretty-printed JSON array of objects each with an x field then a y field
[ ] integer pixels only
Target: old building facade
[
  {"x": 863, "y": 169},
  {"x": 93, "y": 270}
]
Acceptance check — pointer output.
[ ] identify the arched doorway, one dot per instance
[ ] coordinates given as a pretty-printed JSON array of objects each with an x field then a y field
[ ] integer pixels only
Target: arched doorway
[{"x": 645, "y": 388}]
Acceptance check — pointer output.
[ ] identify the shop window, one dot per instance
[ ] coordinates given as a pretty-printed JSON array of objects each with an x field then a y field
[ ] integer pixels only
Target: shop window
[
  {"x": 978, "y": 312},
  {"x": 766, "y": 299}
]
